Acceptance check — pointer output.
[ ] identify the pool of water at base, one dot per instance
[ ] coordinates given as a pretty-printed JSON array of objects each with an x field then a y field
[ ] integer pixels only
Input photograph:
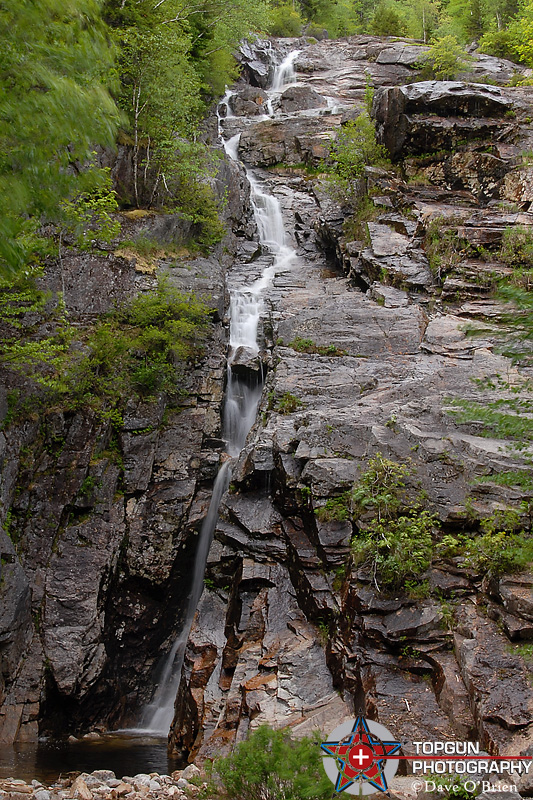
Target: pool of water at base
[{"x": 124, "y": 754}]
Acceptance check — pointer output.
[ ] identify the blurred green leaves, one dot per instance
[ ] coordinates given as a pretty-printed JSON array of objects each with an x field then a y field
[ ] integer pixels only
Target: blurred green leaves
[{"x": 55, "y": 107}]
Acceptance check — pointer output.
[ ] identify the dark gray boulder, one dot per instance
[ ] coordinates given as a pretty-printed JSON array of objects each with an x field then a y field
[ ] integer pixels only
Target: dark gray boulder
[
  {"x": 300, "y": 98},
  {"x": 431, "y": 115}
]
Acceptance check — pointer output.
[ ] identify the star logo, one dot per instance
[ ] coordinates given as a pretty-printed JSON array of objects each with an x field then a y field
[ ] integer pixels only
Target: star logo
[{"x": 362, "y": 751}]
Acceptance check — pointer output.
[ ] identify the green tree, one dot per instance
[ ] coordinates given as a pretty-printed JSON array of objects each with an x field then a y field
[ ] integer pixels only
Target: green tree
[
  {"x": 270, "y": 765},
  {"x": 55, "y": 66},
  {"x": 395, "y": 533},
  {"x": 174, "y": 56},
  {"x": 470, "y": 16},
  {"x": 422, "y": 18},
  {"x": 387, "y": 21},
  {"x": 477, "y": 18},
  {"x": 354, "y": 148},
  {"x": 521, "y": 34},
  {"x": 285, "y": 20},
  {"x": 161, "y": 95},
  {"x": 445, "y": 60}
]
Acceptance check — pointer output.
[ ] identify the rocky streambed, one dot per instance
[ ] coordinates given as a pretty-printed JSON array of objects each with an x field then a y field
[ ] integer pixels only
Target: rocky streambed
[
  {"x": 103, "y": 784},
  {"x": 288, "y": 631}
]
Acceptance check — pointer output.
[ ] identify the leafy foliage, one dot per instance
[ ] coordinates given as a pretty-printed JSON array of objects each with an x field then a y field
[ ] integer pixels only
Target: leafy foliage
[
  {"x": 174, "y": 56},
  {"x": 394, "y": 538},
  {"x": 20, "y": 296},
  {"x": 302, "y": 345},
  {"x": 381, "y": 488},
  {"x": 354, "y": 148},
  {"x": 445, "y": 59},
  {"x": 363, "y": 210},
  {"x": 288, "y": 403},
  {"x": 140, "y": 349},
  {"x": 395, "y": 532},
  {"x": 397, "y": 549},
  {"x": 444, "y": 248},
  {"x": 506, "y": 417},
  {"x": 504, "y": 544},
  {"x": 513, "y": 40},
  {"x": 387, "y": 21},
  {"x": 270, "y": 765},
  {"x": 285, "y": 20},
  {"x": 55, "y": 67},
  {"x": 500, "y": 549},
  {"x": 517, "y": 252},
  {"x": 503, "y": 27},
  {"x": 336, "y": 509},
  {"x": 90, "y": 216}
]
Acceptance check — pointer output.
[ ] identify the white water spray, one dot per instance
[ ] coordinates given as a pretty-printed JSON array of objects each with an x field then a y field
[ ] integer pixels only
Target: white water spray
[
  {"x": 242, "y": 398},
  {"x": 284, "y": 73},
  {"x": 157, "y": 716}
]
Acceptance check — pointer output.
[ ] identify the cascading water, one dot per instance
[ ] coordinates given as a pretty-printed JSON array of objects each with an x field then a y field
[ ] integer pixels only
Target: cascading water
[
  {"x": 242, "y": 398},
  {"x": 284, "y": 75},
  {"x": 157, "y": 716}
]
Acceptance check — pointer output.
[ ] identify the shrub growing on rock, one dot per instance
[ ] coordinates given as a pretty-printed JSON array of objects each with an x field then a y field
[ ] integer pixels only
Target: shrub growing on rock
[
  {"x": 270, "y": 765},
  {"x": 354, "y": 148},
  {"x": 139, "y": 349},
  {"x": 395, "y": 534},
  {"x": 445, "y": 60},
  {"x": 517, "y": 248},
  {"x": 397, "y": 549}
]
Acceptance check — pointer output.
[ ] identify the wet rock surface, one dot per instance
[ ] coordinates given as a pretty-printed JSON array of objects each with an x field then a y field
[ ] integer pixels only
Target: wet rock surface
[
  {"x": 429, "y": 667},
  {"x": 433, "y": 115},
  {"x": 103, "y": 517}
]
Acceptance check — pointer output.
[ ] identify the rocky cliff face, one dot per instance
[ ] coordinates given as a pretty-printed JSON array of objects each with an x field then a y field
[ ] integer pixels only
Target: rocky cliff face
[
  {"x": 94, "y": 582},
  {"x": 103, "y": 520},
  {"x": 288, "y": 632}
]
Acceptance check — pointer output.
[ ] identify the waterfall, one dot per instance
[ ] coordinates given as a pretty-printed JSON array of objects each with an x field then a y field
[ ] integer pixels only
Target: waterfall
[
  {"x": 284, "y": 73},
  {"x": 157, "y": 716},
  {"x": 243, "y": 394}
]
